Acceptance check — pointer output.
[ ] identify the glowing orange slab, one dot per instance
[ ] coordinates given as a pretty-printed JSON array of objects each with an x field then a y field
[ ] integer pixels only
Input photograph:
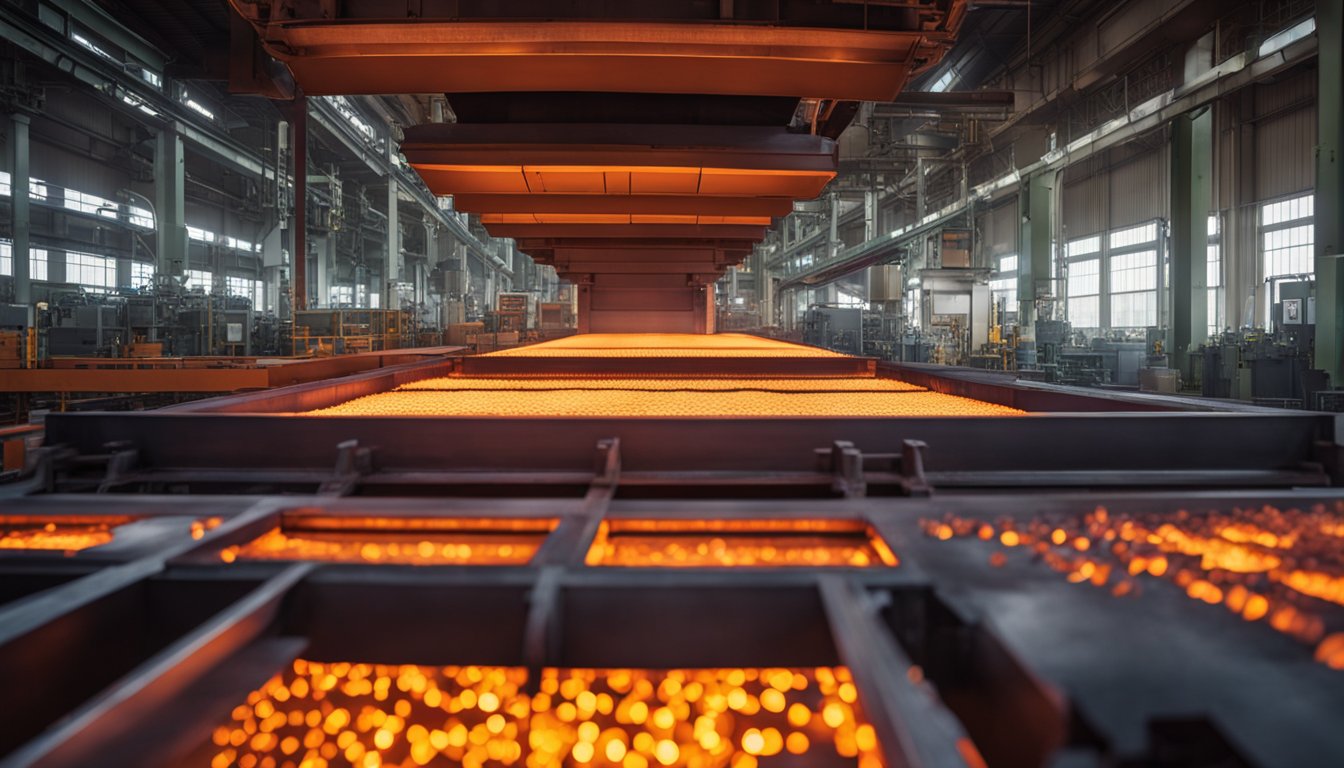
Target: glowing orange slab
[
  {"x": 375, "y": 715},
  {"x": 65, "y": 533},
  {"x": 398, "y": 541},
  {"x": 684, "y": 403},
  {"x": 739, "y": 544},
  {"x": 665, "y": 345},
  {"x": 838, "y": 385}
]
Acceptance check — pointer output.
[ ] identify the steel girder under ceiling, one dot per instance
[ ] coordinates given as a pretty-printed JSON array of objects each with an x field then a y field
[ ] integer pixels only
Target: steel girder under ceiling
[{"x": 541, "y": 152}]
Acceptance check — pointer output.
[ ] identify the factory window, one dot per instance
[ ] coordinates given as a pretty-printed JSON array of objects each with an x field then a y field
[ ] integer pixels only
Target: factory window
[
  {"x": 1133, "y": 236},
  {"x": 86, "y": 203},
  {"x": 1003, "y": 285},
  {"x": 1083, "y": 281},
  {"x": 37, "y": 189},
  {"x": 37, "y": 264},
  {"x": 1287, "y": 37},
  {"x": 142, "y": 274},
  {"x": 1132, "y": 268},
  {"x": 844, "y": 299},
  {"x": 199, "y": 278},
  {"x": 201, "y": 235},
  {"x": 1214, "y": 276},
  {"x": 341, "y": 296},
  {"x": 374, "y": 299},
  {"x": 1287, "y": 241},
  {"x": 1085, "y": 293},
  {"x": 247, "y": 288},
  {"x": 1134, "y": 289},
  {"x": 90, "y": 271}
]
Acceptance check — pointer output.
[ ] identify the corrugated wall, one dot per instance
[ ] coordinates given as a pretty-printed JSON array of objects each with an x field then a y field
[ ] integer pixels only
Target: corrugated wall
[
  {"x": 1084, "y": 203},
  {"x": 1285, "y": 137},
  {"x": 1139, "y": 189},
  {"x": 998, "y": 230}
]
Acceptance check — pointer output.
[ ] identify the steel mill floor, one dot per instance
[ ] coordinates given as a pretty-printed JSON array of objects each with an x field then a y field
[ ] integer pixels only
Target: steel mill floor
[
  {"x": 694, "y": 400},
  {"x": 711, "y": 396},
  {"x": 665, "y": 345}
]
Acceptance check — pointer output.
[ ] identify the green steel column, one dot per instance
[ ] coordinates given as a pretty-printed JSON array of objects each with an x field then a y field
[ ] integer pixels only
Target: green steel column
[
  {"x": 1191, "y": 175},
  {"x": 1036, "y": 206},
  {"x": 17, "y": 150},
  {"x": 1329, "y": 191},
  {"x": 170, "y": 202}
]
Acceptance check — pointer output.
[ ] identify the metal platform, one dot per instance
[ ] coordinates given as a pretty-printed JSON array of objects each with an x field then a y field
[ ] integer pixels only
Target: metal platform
[
  {"x": 257, "y": 537},
  {"x": 945, "y": 647}
]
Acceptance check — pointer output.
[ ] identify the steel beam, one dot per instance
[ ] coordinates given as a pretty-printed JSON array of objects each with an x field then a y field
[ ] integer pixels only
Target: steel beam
[
  {"x": 298, "y": 123},
  {"x": 1330, "y": 191},
  {"x": 1191, "y": 186}
]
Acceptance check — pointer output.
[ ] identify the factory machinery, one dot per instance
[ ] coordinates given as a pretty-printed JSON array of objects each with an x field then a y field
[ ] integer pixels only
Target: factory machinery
[{"x": 676, "y": 550}]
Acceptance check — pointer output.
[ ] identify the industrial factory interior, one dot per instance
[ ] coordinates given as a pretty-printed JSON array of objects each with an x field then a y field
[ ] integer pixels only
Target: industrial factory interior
[{"x": 672, "y": 383}]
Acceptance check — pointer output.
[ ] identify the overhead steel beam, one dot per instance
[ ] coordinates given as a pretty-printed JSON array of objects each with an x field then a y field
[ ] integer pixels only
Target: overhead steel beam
[
  {"x": 625, "y": 204},
  {"x": 339, "y": 53},
  {"x": 124, "y": 91},
  {"x": 869, "y": 253},
  {"x": 623, "y": 231}
]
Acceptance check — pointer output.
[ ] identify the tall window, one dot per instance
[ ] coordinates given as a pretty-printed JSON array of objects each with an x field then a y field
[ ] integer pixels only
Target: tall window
[
  {"x": 142, "y": 274},
  {"x": 342, "y": 296},
  {"x": 1133, "y": 273},
  {"x": 1287, "y": 240},
  {"x": 1003, "y": 285},
  {"x": 247, "y": 288},
  {"x": 1214, "y": 277},
  {"x": 1084, "y": 282},
  {"x": 90, "y": 271},
  {"x": 200, "y": 278},
  {"x": 37, "y": 261}
]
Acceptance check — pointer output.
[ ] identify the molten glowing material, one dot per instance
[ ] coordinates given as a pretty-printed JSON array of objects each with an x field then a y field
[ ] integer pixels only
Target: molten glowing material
[
  {"x": 64, "y": 533},
  {"x": 710, "y": 396},
  {"x": 688, "y": 403},
  {"x": 376, "y": 715},
  {"x": 739, "y": 544},
  {"x": 1263, "y": 564},
  {"x": 398, "y": 541},
  {"x": 837, "y": 385},
  {"x": 665, "y": 345}
]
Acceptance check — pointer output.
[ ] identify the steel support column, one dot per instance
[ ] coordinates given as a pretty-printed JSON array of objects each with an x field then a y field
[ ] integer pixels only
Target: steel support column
[
  {"x": 1191, "y": 175},
  {"x": 17, "y": 151},
  {"x": 1036, "y": 202},
  {"x": 395, "y": 266},
  {"x": 1329, "y": 191},
  {"x": 170, "y": 202},
  {"x": 298, "y": 124}
]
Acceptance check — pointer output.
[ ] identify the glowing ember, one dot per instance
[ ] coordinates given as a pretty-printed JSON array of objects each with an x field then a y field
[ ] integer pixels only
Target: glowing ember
[
  {"x": 373, "y": 715},
  {"x": 665, "y": 345},
  {"x": 1265, "y": 564},
  {"x": 65, "y": 533},
  {"x": 739, "y": 544},
  {"x": 668, "y": 403},
  {"x": 398, "y": 542}
]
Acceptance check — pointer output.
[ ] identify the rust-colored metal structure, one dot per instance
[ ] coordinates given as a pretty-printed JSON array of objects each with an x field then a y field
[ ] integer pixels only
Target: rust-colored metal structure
[
  {"x": 852, "y": 51},
  {"x": 641, "y": 148}
]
